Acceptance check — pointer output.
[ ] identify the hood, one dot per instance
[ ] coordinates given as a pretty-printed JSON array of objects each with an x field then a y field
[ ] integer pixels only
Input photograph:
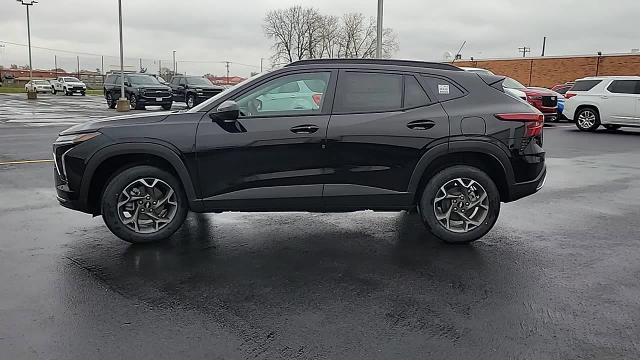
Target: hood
[
  {"x": 155, "y": 87},
  {"x": 539, "y": 92},
  {"x": 94, "y": 125},
  {"x": 75, "y": 83},
  {"x": 207, "y": 87}
]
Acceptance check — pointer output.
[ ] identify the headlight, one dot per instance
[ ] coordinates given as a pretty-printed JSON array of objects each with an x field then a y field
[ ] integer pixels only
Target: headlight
[{"x": 75, "y": 138}]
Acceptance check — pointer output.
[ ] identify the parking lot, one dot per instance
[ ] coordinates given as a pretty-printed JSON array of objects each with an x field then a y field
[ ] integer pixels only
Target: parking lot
[{"x": 558, "y": 278}]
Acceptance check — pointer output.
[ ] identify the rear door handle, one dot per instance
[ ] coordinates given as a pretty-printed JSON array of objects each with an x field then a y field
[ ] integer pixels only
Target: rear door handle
[
  {"x": 421, "y": 125},
  {"x": 304, "y": 129}
]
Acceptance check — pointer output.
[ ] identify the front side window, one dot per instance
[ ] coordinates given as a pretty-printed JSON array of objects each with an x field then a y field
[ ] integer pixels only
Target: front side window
[
  {"x": 624, "y": 87},
  {"x": 368, "y": 92},
  {"x": 295, "y": 94}
]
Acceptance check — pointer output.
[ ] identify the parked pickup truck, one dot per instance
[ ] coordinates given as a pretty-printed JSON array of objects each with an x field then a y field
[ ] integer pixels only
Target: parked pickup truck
[{"x": 68, "y": 85}]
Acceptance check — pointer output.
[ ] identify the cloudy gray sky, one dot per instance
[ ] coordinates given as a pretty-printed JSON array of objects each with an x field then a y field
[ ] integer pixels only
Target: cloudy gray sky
[{"x": 217, "y": 30}]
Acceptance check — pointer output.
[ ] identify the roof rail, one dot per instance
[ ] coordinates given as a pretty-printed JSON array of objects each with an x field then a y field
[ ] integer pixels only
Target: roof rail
[{"x": 412, "y": 63}]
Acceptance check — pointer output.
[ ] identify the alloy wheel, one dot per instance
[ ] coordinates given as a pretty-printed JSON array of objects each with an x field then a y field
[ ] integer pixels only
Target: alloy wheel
[
  {"x": 586, "y": 119},
  {"x": 147, "y": 205},
  {"x": 190, "y": 101},
  {"x": 461, "y": 205}
]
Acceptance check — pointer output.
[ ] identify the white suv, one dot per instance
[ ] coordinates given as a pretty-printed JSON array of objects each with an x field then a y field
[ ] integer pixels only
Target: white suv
[{"x": 611, "y": 101}]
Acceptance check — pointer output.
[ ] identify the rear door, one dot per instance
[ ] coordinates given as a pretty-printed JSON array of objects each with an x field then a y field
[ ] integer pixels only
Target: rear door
[
  {"x": 382, "y": 123},
  {"x": 620, "y": 102}
]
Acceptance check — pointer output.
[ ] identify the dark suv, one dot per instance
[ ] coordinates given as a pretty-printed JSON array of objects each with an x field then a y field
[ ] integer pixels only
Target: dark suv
[
  {"x": 316, "y": 135},
  {"x": 140, "y": 89},
  {"x": 193, "y": 90}
]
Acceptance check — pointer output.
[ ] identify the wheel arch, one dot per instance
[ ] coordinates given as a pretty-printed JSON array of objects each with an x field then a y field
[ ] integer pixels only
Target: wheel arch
[
  {"x": 104, "y": 163},
  {"x": 584, "y": 106},
  {"x": 483, "y": 155}
]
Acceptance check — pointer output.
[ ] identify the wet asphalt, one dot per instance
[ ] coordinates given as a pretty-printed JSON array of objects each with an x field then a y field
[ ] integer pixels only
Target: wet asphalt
[{"x": 557, "y": 278}]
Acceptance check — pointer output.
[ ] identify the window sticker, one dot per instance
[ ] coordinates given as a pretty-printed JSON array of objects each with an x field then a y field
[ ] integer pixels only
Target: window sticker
[{"x": 443, "y": 89}]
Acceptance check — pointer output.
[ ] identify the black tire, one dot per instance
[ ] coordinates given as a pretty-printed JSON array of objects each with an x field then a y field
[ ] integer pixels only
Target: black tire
[
  {"x": 612, "y": 127},
  {"x": 82, "y": 93},
  {"x": 167, "y": 106},
  {"x": 190, "y": 100},
  {"x": 66, "y": 93},
  {"x": 53, "y": 91},
  {"x": 133, "y": 101},
  {"x": 115, "y": 186},
  {"x": 446, "y": 176},
  {"x": 587, "y": 113},
  {"x": 111, "y": 102}
]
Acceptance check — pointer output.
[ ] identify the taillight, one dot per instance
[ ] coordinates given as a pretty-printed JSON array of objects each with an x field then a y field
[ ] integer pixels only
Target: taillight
[
  {"x": 317, "y": 98},
  {"x": 569, "y": 95},
  {"x": 534, "y": 122}
]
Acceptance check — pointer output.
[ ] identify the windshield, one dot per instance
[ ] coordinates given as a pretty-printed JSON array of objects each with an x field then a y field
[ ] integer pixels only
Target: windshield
[
  {"x": 509, "y": 83},
  {"x": 196, "y": 80},
  {"x": 143, "y": 80},
  {"x": 41, "y": 82},
  {"x": 226, "y": 91},
  {"x": 71, "y": 79}
]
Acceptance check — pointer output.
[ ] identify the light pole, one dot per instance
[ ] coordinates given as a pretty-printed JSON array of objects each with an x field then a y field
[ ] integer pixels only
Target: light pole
[
  {"x": 31, "y": 94},
  {"x": 379, "y": 29},
  {"x": 175, "y": 67},
  {"x": 123, "y": 103}
]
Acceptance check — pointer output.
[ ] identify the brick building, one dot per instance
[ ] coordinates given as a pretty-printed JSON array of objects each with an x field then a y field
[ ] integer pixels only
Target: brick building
[{"x": 551, "y": 70}]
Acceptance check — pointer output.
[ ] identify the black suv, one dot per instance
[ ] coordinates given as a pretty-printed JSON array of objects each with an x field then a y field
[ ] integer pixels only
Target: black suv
[
  {"x": 316, "y": 135},
  {"x": 193, "y": 90},
  {"x": 140, "y": 89}
]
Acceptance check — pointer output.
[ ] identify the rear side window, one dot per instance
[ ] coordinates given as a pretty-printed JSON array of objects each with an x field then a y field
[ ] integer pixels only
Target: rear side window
[
  {"x": 414, "y": 94},
  {"x": 585, "y": 85},
  {"x": 624, "y": 87},
  {"x": 368, "y": 92},
  {"x": 443, "y": 89}
]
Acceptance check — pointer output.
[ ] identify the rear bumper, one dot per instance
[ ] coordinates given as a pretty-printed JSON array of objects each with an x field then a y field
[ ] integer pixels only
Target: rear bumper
[{"x": 520, "y": 190}]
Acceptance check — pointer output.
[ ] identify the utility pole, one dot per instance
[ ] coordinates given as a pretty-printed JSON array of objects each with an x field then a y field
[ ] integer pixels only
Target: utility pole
[
  {"x": 78, "y": 65},
  {"x": 159, "y": 67},
  {"x": 123, "y": 103},
  {"x": 175, "y": 66},
  {"x": 31, "y": 94},
  {"x": 227, "y": 65},
  {"x": 102, "y": 65},
  {"x": 140, "y": 64},
  {"x": 261, "y": 61},
  {"x": 524, "y": 50},
  {"x": 55, "y": 64},
  {"x": 379, "y": 30},
  {"x": 544, "y": 45}
]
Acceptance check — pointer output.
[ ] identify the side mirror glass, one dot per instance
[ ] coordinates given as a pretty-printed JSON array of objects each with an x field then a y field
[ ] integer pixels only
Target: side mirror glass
[{"x": 228, "y": 111}]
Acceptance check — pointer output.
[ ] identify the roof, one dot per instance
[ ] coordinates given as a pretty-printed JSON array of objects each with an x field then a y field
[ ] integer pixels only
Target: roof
[{"x": 390, "y": 62}]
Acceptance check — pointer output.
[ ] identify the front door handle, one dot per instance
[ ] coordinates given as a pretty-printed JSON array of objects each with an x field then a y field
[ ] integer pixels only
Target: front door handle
[
  {"x": 304, "y": 129},
  {"x": 421, "y": 125}
]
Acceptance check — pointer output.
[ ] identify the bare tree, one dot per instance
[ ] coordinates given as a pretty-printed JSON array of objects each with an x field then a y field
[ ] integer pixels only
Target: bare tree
[{"x": 304, "y": 33}]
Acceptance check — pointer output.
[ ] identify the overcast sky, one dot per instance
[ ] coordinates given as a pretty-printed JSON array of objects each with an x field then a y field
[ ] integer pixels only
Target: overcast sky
[{"x": 218, "y": 30}]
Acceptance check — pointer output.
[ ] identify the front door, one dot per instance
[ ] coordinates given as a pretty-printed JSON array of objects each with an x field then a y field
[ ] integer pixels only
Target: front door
[
  {"x": 272, "y": 157},
  {"x": 381, "y": 125}
]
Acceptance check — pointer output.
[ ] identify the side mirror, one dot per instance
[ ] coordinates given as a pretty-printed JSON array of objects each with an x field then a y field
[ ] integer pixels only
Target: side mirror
[{"x": 228, "y": 112}]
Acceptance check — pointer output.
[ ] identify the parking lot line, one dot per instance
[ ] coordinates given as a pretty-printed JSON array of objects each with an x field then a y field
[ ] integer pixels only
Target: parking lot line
[{"x": 21, "y": 162}]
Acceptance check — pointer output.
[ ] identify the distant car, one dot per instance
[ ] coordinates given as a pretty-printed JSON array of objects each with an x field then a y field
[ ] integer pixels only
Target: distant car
[
  {"x": 510, "y": 91},
  {"x": 69, "y": 86},
  {"x": 561, "y": 100},
  {"x": 563, "y": 88},
  {"x": 43, "y": 86},
  {"x": 193, "y": 90},
  {"x": 610, "y": 101},
  {"x": 140, "y": 89},
  {"x": 544, "y": 100}
]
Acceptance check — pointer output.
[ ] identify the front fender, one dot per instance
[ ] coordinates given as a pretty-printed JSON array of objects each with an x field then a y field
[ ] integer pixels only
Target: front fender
[{"x": 165, "y": 152}]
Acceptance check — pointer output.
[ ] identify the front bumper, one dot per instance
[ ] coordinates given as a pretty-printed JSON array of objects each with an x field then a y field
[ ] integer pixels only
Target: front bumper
[
  {"x": 66, "y": 197},
  {"x": 150, "y": 100}
]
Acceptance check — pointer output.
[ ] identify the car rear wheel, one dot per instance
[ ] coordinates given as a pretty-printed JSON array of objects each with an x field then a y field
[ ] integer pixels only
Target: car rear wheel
[
  {"x": 143, "y": 204},
  {"x": 587, "y": 119},
  {"x": 111, "y": 102},
  {"x": 460, "y": 204},
  {"x": 190, "y": 101}
]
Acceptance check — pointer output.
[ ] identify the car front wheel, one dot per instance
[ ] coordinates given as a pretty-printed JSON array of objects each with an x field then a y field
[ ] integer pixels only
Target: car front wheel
[
  {"x": 111, "y": 102},
  {"x": 460, "y": 204},
  {"x": 143, "y": 204},
  {"x": 587, "y": 119},
  {"x": 191, "y": 101}
]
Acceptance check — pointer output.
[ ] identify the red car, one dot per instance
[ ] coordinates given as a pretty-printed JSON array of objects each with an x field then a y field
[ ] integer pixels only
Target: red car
[
  {"x": 563, "y": 88},
  {"x": 544, "y": 100}
]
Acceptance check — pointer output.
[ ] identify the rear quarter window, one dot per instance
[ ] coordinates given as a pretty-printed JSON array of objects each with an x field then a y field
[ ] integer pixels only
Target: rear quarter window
[
  {"x": 442, "y": 88},
  {"x": 585, "y": 85}
]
